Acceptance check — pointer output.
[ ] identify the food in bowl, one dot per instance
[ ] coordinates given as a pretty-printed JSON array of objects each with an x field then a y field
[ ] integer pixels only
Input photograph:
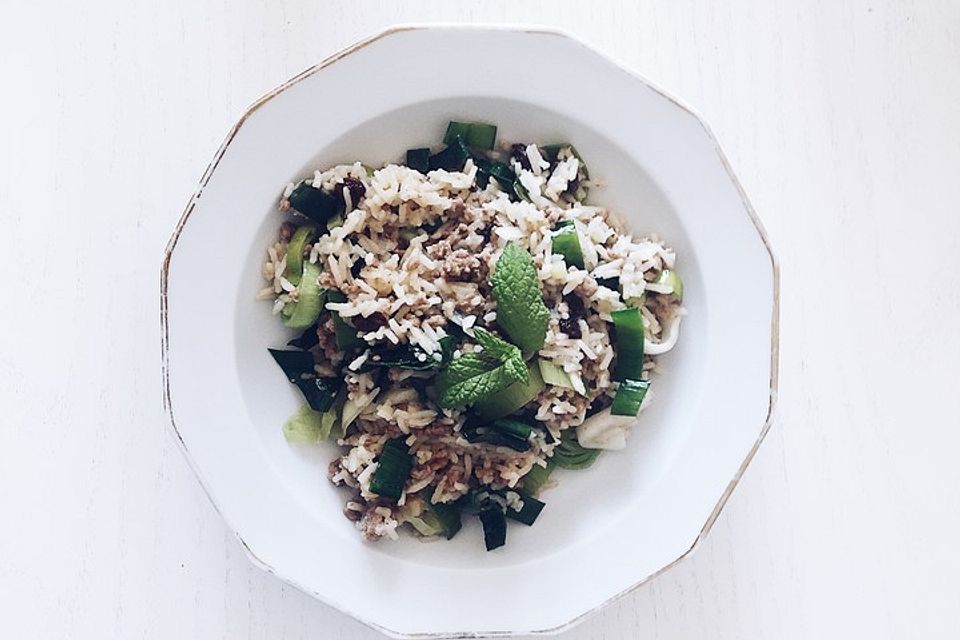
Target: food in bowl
[{"x": 467, "y": 325}]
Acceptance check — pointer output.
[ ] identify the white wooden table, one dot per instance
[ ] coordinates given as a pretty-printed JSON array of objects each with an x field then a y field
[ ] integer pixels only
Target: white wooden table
[{"x": 841, "y": 119}]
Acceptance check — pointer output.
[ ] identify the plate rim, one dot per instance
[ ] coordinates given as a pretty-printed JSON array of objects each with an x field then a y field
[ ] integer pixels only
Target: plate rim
[{"x": 531, "y": 29}]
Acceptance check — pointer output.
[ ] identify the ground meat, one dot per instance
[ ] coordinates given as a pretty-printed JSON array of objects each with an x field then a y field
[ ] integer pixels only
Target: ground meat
[
  {"x": 327, "y": 341},
  {"x": 439, "y": 250},
  {"x": 462, "y": 266}
]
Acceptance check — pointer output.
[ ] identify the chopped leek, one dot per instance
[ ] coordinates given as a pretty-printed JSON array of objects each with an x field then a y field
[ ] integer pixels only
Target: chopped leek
[
  {"x": 309, "y": 426},
  {"x": 570, "y": 455},
  {"x": 494, "y": 527},
  {"x": 419, "y": 159},
  {"x": 512, "y": 398},
  {"x": 309, "y": 301},
  {"x": 345, "y": 335},
  {"x": 554, "y": 375},
  {"x": 528, "y": 512},
  {"x": 300, "y": 238},
  {"x": 475, "y": 134},
  {"x": 393, "y": 470},
  {"x": 566, "y": 242},
  {"x": 670, "y": 278},
  {"x": 452, "y": 158},
  {"x": 320, "y": 393},
  {"x": 534, "y": 480},
  {"x": 629, "y": 397},
  {"x": 448, "y": 516},
  {"x": 629, "y": 327},
  {"x": 316, "y": 204}
]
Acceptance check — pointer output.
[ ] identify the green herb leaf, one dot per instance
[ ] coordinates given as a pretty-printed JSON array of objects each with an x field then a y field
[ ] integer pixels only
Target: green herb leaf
[
  {"x": 520, "y": 309},
  {"x": 476, "y": 376}
]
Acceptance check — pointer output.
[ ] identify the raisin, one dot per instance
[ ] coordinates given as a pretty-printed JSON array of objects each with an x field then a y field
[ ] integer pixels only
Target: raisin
[
  {"x": 371, "y": 323},
  {"x": 519, "y": 153},
  {"x": 571, "y": 327},
  {"x": 357, "y": 190}
]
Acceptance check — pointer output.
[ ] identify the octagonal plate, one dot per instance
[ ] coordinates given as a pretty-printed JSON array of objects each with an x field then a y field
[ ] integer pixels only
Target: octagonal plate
[{"x": 605, "y": 530}]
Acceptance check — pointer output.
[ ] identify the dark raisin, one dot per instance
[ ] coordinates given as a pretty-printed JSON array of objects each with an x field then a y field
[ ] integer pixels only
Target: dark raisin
[
  {"x": 357, "y": 190},
  {"x": 576, "y": 310},
  {"x": 571, "y": 327},
  {"x": 575, "y": 305},
  {"x": 356, "y": 268},
  {"x": 371, "y": 323},
  {"x": 519, "y": 153}
]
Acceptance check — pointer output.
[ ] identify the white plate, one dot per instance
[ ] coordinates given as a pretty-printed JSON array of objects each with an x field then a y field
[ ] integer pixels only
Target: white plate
[{"x": 605, "y": 530}]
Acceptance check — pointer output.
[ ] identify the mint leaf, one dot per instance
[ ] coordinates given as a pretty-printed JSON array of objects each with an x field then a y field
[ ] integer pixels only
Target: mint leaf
[
  {"x": 494, "y": 346},
  {"x": 474, "y": 376},
  {"x": 520, "y": 309}
]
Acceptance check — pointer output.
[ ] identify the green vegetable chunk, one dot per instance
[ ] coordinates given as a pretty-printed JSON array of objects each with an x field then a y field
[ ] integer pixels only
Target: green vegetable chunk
[
  {"x": 475, "y": 134},
  {"x": 511, "y": 398},
  {"x": 570, "y": 455},
  {"x": 554, "y": 375},
  {"x": 629, "y": 397},
  {"x": 669, "y": 277},
  {"x": 316, "y": 204},
  {"x": 494, "y": 527},
  {"x": 529, "y": 512},
  {"x": 300, "y": 238},
  {"x": 345, "y": 335},
  {"x": 393, "y": 470},
  {"x": 629, "y": 326},
  {"x": 520, "y": 309},
  {"x": 452, "y": 158},
  {"x": 534, "y": 480},
  {"x": 309, "y": 302},
  {"x": 566, "y": 242},
  {"x": 448, "y": 517},
  {"x": 419, "y": 159},
  {"x": 309, "y": 426}
]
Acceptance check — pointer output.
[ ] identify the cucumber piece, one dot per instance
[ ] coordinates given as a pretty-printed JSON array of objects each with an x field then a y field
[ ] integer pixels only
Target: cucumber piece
[
  {"x": 512, "y": 398},
  {"x": 301, "y": 237},
  {"x": 566, "y": 242},
  {"x": 307, "y": 308},
  {"x": 393, "y": 470}
]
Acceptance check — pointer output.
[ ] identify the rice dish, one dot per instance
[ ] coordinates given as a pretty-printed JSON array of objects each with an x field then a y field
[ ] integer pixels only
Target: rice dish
[{"x": 465, "y": 324}]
